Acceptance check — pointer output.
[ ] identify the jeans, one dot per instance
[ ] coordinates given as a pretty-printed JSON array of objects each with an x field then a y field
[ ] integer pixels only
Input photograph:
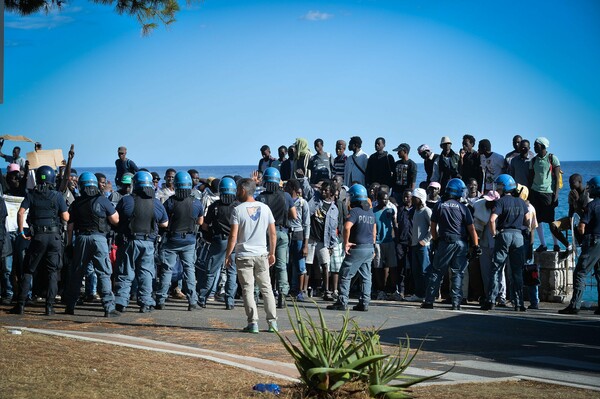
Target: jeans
[
  {"x": 135, "y": 260},
  {"x": 187, "y": 255},
  {"x": 508, "y": 244},
  {"x": 297, "y": 261},
  {"x": 6, "y": 283},
  {"x": 486, "y": 267},
  {"x": 13, "y": 264},
  {"x": 90, "y": 250},
  {"x": 358, "y": 261},
  {"x": 91, "y": 280},
  {"x": 211, "y": 269},
  {"x": 280, "y": 266},
  {"x": 589, "y": 258},
  {"x": 452, "y": 255},
  {"x": 421, "y": 267},
  {"x": 251, "y": 269}
]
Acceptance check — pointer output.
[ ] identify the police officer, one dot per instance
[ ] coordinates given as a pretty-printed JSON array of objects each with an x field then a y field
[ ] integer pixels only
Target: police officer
[
  {"x": 360, "y": 231},
  {"x": 507, "y": 222},
  {"x": 91, "y": 214},
  {"x": 282, "y": 207},
  {"x": 185, "y": 214},
  {"x": 451, "y": 224},
  {"x": 47, "y": 208},
  {"x": 589, "y": 227},
  {"x": 217, "y": 226},
  {"x": 140, "y": 215}
]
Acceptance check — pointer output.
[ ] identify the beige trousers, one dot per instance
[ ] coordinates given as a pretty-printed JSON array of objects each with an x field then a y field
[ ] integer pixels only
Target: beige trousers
[{"x": 249, "y": 270}]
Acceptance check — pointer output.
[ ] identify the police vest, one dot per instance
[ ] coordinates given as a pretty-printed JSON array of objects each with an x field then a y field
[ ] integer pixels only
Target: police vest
[
  {"x": 142, "y": 220},
  {"x": 278, "y": 205},
  {"x": 43, "y": 210},
  {"x": 221, "y": 215},
  {"x": 181, "y": 218},
  {"x": 85, "y": 213}
]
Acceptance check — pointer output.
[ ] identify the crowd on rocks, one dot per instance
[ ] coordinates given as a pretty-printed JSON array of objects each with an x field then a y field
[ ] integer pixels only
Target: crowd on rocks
[{"x": 305, "y": 224}]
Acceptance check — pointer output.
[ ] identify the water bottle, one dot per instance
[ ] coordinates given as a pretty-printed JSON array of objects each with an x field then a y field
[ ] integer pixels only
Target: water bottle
[{"x": 273, "y": 388}]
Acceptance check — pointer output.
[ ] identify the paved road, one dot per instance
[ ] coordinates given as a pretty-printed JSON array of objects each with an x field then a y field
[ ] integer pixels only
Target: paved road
[{"x": 482, "y": 346}]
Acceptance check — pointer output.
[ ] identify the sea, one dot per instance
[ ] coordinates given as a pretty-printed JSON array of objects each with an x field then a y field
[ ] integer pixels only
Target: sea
[{"x": 587, "y": 169}]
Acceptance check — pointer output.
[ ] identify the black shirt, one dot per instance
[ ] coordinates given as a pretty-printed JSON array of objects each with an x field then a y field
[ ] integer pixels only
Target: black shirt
[
  {"x": 511, "y": 213},
  {"x": 591, "y": 218}
]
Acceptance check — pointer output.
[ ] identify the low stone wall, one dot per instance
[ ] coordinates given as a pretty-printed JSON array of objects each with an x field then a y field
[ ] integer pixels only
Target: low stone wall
[{"x": 556, "y": 276}]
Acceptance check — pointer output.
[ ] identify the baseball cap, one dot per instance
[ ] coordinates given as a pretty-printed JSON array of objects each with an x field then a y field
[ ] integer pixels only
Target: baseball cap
[
  {"x": 491, "y": 196},
  {"x": 402, "y": 147},
  {"x": 13, "y": 167}
]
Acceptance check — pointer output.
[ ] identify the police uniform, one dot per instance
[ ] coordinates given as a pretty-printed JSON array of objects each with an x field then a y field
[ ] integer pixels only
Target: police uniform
[
  {"x": 452, "y": 219},
  {"x": 509, "y": 243},
  {"x": 358, "y": 260},
  {"x": 589, "y": 258},
  {"x": 180, "y": 243},
  {"x": 45, "y": 209},
  {"x": 137, "y": 231},
  {"x": 90, "y": 225},
  {"x": 218, "y": 218}
]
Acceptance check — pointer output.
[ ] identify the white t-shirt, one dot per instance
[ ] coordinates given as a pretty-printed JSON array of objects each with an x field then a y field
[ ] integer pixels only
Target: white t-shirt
[
  {"x": 253, "y": 219},
  {"x": 493, "y": 166}
]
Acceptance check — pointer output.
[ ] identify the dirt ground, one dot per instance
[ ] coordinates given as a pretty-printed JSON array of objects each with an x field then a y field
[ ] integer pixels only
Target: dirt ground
[{"x": 39, "y": 366}]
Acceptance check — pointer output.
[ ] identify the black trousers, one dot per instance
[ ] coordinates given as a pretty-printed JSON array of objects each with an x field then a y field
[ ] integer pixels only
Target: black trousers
[{"x": 44, "y": 248}]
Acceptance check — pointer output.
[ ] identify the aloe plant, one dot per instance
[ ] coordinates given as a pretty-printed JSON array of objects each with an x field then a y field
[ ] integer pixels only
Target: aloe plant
[{"x": 327, "y": 359}]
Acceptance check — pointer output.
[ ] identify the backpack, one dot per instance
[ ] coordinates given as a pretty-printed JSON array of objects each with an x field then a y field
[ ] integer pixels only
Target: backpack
[{"x": 555, "y": 182}]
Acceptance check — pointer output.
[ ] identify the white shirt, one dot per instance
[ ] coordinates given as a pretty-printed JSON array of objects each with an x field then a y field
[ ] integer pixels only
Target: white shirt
[{"x": 355, "y": 167}]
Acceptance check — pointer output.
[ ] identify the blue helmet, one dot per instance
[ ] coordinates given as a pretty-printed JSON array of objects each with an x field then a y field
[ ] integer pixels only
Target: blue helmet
[
  {"x": 45, "y": 175},
  {"x": 142, "y": 179},
  {"x": 183, "y": 180},
  {"x": 357, "y": 192},
  {"x": 271, "y": 175},
  {"x": 456, "y": 188},
  {"x": 593, "y": 187},
  {"x": 227, "y": 186},
  {"x": 88, "y": 179},
  {"x": 507, "y": 181}
]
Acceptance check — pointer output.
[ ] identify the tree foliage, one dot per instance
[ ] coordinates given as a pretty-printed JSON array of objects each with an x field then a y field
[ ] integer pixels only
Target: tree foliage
[{"x": 149, "y": 13}]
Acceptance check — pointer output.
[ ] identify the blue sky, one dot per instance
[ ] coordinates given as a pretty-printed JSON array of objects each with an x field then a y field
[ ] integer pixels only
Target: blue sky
[{"x": 230, "y": 76}]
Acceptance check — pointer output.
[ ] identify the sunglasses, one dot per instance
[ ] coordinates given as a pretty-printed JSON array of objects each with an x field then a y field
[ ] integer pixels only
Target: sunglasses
[{"x": 122, "y": 153}]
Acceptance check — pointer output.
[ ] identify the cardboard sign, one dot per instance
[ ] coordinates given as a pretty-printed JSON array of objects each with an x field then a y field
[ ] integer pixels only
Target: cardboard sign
[
  {"x": 12, "y": 206},
  {"x": 39, "y": 158}
]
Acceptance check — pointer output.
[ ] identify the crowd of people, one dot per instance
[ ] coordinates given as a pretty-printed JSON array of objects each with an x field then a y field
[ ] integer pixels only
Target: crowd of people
[{"x": 303, "y": 225}]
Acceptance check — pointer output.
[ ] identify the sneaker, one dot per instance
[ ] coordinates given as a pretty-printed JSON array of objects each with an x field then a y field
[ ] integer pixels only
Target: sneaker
[
  {"x": 487, "y": 306},
  {"x": 70, "y": 311},
  {"x": 121, "y": 308},
  {"x": 177, "y": 294},
  {"x": 414, "y": 298},
  {"x": 50, "y": 310},
  {"x": 202, "y": 304},
  {"x": 533, "y": 306},
  {"x": 229, "y": 307},
  {"x": 541, "y": 248},
  {"x": 337, "y": 306},
  {"x": 92, "y": 298},
  {"x": 146, "y": 309},
  {"x": 396, "y": 296},
  {"x": 159, "y": 306},
  {"x": 569, "y": 310},
  {"x": 112, "y": 313},
  {"x": 17, "y": 309},
  {"x": 335, "y": 295},
  {"x": 556, "y": 248},
  {"x": 426, "y": 305},
  {"x": 569, "y": 248},
  {"x": 6, "y": 301},
  {"x": 455, "y": 307},
  {"x": 193, "y": 306},
  {"x": 210, "y": 299},
  {"x": 300, "y": 297},
  {"x": 521, "y": 308},
  {"x": 273, "y": 326},
  {"x": 327, "y": 296},
  {"x": 251, "y": 328},
  {"x": 502, "y": 304},
  {"x": 381, "y": 296},
  {"x": 360, "y": 308}
]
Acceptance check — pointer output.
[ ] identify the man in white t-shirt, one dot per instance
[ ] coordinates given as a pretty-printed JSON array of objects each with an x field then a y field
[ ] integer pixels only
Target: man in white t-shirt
[{"x": 250, "y": 222}]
